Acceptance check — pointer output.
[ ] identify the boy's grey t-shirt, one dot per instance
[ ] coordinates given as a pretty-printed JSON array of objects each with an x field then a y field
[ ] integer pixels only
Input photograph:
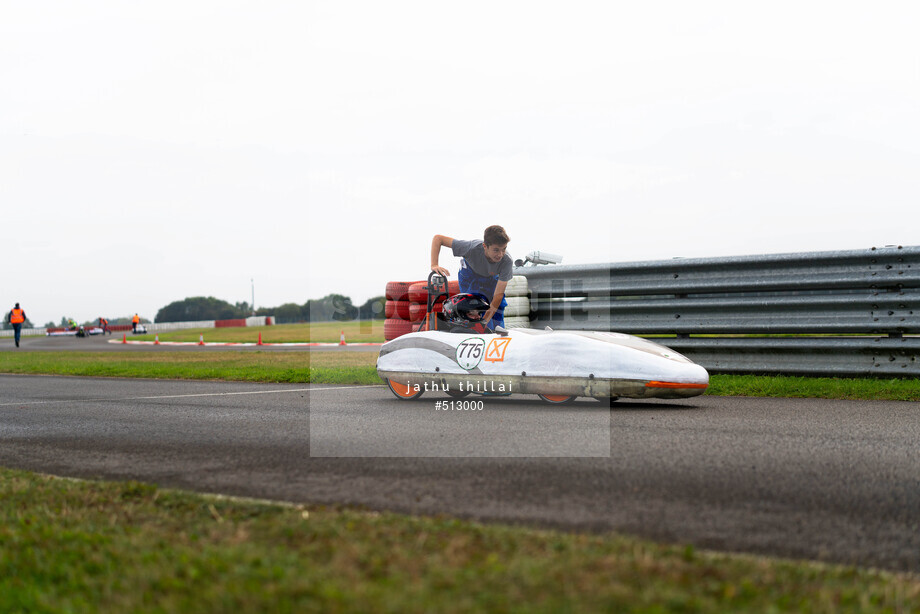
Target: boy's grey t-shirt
[{"x": 475, "y": 256}]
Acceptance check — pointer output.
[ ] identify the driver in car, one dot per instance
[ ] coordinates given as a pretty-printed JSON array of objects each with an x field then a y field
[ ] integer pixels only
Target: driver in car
[{"x": 465, "y": 311}]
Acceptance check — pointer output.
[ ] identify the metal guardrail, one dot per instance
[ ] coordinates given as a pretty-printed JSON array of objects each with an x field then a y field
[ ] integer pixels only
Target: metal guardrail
[
  {"x": 816, "y": 356},
  {"x": 877, "y": 313},
  {"x": 867, "y": 293}
]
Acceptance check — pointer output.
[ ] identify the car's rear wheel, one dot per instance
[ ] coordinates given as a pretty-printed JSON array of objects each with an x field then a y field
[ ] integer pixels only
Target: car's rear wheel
[
  {"x": 457, "y": 394},
  {"x": 556, "y": 399},
  {"x": 404, "y": 392}
]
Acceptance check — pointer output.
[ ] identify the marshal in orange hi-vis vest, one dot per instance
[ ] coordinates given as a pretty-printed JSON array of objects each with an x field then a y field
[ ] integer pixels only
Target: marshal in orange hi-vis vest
[{"x": 17, "y": 317}]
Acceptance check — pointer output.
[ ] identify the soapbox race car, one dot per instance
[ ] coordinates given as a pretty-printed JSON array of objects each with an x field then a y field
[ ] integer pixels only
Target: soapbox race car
[{"x": 558, "y": 366}]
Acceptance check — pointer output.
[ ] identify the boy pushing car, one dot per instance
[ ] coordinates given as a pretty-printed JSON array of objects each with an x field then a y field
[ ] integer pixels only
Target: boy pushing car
[{"x": 485, "y": 268}]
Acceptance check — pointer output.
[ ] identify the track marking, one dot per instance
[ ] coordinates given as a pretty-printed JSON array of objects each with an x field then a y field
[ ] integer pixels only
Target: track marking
[
  {"x": 246, "y": 344},
  {"x": 181, "y": 396}
]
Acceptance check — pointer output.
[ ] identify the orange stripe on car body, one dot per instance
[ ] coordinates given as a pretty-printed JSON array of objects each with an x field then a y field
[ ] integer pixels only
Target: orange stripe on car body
[{"x": 655, "y": 384}]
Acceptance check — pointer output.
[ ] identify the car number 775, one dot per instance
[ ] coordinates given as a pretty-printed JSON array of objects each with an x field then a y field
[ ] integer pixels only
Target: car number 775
[{"x": 473, "y": 350}]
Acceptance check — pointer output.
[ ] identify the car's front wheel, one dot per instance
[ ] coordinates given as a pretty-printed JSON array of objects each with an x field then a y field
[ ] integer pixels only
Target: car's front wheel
[{"x": 404, "y": 392}]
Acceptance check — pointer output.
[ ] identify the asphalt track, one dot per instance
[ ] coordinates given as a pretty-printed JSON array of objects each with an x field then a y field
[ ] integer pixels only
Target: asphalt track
[{"x": 827, "y": 480}]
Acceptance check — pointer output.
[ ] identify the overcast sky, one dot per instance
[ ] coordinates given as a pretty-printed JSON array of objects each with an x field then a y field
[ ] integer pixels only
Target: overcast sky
[{"x": 155, "y": 151}]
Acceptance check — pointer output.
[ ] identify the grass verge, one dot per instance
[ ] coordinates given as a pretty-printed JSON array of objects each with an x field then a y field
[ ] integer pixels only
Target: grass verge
[
  {"x": 815, "y": 387},
  {"x": 246, "y": 366},
  {"x": 116, "y": 547},
  {"x": 359, "y": 368},
  {"x": 365, "y": 331}
]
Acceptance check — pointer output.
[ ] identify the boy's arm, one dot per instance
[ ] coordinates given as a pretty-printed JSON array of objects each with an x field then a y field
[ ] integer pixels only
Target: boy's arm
[
  {"x": 436, "y": 244},
  {"x": 496, "y": 300}
]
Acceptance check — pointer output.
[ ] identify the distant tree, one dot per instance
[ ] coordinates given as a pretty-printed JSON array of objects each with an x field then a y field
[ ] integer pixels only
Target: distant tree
[
  {"x": 50, "y": 324},
  {"x": 8, "y": 326},
  {"x": 331, "y": 307},
  {"x": 373, "y": 309},
  {"x": 288, "y": 313},
  {"x": 342, "y": 308},
  {"x": 199, "y": 308}
]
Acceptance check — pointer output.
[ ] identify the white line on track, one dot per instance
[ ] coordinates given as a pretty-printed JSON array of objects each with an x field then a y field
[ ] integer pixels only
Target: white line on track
[
  {"x": 247, "y": 344},
  {"x": 181, "y": 396}
]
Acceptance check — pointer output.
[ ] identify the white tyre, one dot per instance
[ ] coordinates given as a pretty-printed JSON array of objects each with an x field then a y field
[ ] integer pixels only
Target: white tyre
[
  {"x": 517, "y": 322},
  {"x": 518, "y": 306},
  {"x": 517, "y": 286}
]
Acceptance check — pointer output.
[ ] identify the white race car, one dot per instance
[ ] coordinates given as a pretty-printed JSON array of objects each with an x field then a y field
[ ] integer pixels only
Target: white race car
[{"x": 556, "y": 365}]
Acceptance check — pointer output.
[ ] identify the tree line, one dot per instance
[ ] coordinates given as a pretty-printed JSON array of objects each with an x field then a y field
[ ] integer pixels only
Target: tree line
[{"x": 333, "y": 307}]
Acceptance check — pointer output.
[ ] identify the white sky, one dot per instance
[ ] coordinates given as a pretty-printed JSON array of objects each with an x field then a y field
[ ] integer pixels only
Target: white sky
[{"x": 154, "y": 151}]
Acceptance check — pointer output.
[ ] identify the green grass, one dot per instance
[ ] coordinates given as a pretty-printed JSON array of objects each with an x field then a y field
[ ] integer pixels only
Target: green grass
[
  {"x": 815, "y": 387},
  {"x": 76, "y": 546},
  {"x": 359, "y": 368},
  {"x": 369, "y": 331},
  {"x": 246, "y": 366}
]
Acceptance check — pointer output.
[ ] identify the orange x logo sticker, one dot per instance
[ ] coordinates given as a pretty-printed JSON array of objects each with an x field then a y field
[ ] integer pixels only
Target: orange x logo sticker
[{"x": 496, "y": 350}]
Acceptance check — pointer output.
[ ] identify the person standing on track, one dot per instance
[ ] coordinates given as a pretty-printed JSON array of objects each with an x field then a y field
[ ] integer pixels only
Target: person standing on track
[
  {"x": 134, "y": 322},
  {"x": 104, "y": 325},
  {"x": 485, "y": 268},
  {"x": 16, "y": 317}
]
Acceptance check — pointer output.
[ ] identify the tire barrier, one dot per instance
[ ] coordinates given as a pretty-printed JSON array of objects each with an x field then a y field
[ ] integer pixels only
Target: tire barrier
[
  {"x": 395, "y": 327},
  {"x": 230, "y": 323},
  {"x": 417, "y": 311},
  {"x": 517, "y": 293},
  {"x": 517, "y": 287},
  {"x": 398, "y": 290},
  {"x": 397, "y": 309},
  {"x": 418, "y": 292},
  {"x": 407, "y": 302},
  {"x": 518, "y": 306}
]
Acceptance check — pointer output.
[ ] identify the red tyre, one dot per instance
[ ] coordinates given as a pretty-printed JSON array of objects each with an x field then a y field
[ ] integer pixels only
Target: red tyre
[
  {"x": 394, "y": 327},
  {"x": 398, "y": 309},
  {"x": 418, "y": 292},
  {"x": 398, "y": 290},
  {"x": 417, "y": 311}
]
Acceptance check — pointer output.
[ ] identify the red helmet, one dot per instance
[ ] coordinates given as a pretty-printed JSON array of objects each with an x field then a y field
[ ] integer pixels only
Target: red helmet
[{"x": 465, "y": 308}]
